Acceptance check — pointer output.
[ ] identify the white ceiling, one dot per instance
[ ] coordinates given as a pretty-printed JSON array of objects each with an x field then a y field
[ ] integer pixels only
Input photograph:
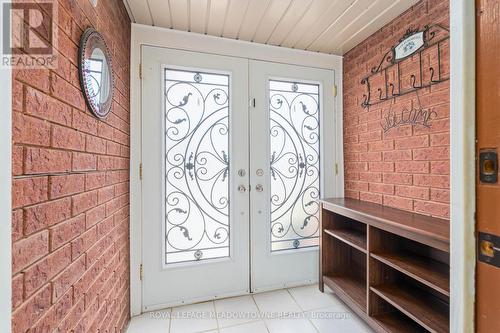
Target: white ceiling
[{"x": 327, "y": 26}]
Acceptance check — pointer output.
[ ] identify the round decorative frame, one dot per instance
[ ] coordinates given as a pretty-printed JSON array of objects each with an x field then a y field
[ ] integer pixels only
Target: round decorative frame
[{"x": 90, "y": 41}]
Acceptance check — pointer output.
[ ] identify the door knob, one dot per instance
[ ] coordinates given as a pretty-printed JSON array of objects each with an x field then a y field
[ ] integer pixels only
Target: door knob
[
  {"x": 259, "y": 188},
  {"x": 242, "y": 188}
]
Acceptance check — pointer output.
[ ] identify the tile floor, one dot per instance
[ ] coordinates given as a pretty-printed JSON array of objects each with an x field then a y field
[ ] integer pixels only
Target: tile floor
[{"x": 294, "y": 310}]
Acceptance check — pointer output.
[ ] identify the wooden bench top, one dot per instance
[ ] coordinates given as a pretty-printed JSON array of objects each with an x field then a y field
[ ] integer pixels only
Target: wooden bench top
[{"x": 430, "y": 230}]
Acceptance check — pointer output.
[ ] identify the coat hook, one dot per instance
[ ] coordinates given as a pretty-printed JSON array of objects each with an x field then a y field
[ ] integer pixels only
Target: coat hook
[
  {"x": 413, "y": 80},
  {"x": 431, "y": 69},
  {"x": 380, "y": 97},
  {"x": 391, "y": 85}
]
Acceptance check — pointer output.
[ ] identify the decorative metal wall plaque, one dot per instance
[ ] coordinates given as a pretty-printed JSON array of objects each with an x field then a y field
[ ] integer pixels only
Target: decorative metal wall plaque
[
  {"x": 415, "y": 116},
  {"x": 409, "y": 45},
  {"x": 95, "y": 72},
  {"x": 413, "y": 43}
]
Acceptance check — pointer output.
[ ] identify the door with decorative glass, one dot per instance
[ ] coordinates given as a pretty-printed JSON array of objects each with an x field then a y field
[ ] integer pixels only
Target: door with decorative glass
[
  {"x": 291, "y": 163},
  {"x": 230, "y": 187},
  {"x": 195, "y": 218}
]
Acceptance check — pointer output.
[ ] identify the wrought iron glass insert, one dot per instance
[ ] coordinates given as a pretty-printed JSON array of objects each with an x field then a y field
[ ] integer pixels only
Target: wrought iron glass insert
[
  {"x": 196, "y": 166},
  {"x": 295, "y": 164}
]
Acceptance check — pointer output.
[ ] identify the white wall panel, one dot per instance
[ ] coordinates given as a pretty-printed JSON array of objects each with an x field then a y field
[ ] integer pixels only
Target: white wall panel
[
  {"x": 160, "y": 12},
  {"x": 218, "y": 10},
  {"x": 271, "y": 18},
  {"x": 180, "y": 14},
  {"x": 198, "y": 10},
  {"x": 234, "y": 17}
]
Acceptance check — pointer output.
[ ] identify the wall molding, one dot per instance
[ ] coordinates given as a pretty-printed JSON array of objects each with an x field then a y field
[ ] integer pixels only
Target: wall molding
[
  {"x": 188, "y": 41},
  {"x": 462, "y": 161}
]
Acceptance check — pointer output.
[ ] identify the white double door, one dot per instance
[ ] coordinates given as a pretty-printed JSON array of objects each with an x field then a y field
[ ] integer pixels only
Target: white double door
[{"x": 235, "y": 153}]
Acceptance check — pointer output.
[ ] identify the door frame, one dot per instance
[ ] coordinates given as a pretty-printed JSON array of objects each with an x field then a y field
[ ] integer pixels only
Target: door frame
[
  {"x": 462, "y": 164},
  {"x": 161, "y": 37}
]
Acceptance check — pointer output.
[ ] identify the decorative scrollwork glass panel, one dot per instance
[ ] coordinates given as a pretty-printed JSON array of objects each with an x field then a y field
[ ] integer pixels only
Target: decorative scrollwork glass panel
[
  {"x": 295, "y": 164},
  {"x": 196, "y": 166}
]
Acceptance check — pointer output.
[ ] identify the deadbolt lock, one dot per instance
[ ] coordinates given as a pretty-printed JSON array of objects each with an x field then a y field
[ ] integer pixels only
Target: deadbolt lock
[
  {"x": 488, "y": 166},
  {"x": 489, "y": 249}
]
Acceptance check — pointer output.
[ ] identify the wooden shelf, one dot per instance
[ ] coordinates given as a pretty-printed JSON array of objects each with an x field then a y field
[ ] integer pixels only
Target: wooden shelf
[
  {"x": 419, "y": 306},
  {"x": 350, "y": 289},
  {"x": 352, "y": 237},
  {"x": 427, "y": 271},
  {"x": 428, "y": 230},
  {"x": 390, "y": 266},
  {"x": 396, "y": 322}
]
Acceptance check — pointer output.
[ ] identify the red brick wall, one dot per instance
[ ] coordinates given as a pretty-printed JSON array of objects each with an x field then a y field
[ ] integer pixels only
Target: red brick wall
[
  {"x": 71, "y": 188},
  {"x": 406, "y": 167}
]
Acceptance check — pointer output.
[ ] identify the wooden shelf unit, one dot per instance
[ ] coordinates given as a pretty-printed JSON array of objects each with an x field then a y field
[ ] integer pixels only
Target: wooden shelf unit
[{"x": 391, "y": 267}]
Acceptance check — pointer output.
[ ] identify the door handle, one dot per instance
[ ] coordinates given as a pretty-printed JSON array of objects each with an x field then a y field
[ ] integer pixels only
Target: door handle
[
  {"x": 259, "y": 188},
  {"x": 242, "y": 188}
]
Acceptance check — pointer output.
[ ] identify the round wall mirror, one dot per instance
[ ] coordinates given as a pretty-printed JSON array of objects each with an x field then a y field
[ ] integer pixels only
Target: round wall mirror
[{"x": 96, "y": 75}]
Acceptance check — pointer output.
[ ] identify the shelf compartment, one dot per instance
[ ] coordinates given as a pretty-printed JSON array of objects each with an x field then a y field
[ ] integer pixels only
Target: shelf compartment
[
  {"x": 390, "y": 319},
  {"x": 352, "y": 237},
  {"x": 427, "y": 271},
  {"x": 420, "y": 306},
  {"x": 396, "y": 322},
  {"x": 344, "y": 272},
  {"x": 351, "y": 289}
]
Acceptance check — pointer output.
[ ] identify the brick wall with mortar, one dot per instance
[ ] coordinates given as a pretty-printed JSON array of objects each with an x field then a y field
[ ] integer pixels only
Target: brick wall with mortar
[
  {"x": 406, "y": 167},
  {"x": 71, "y": 186}
]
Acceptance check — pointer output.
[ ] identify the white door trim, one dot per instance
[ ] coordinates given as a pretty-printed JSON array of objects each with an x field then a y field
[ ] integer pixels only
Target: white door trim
[
  {"x": 462, "y": 161},
  {"x": 155, "y": 36},
  {"x": 6, "y": 195}
]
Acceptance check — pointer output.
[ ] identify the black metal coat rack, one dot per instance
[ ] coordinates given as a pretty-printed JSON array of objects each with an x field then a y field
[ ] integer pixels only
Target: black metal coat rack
[{"x": 432, "y": 35}]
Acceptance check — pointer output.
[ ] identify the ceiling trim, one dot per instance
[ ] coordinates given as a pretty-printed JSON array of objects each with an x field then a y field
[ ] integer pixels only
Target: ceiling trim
[
  {"x": 190, "y": 41},
  {"x": 129, "y": 11}
]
